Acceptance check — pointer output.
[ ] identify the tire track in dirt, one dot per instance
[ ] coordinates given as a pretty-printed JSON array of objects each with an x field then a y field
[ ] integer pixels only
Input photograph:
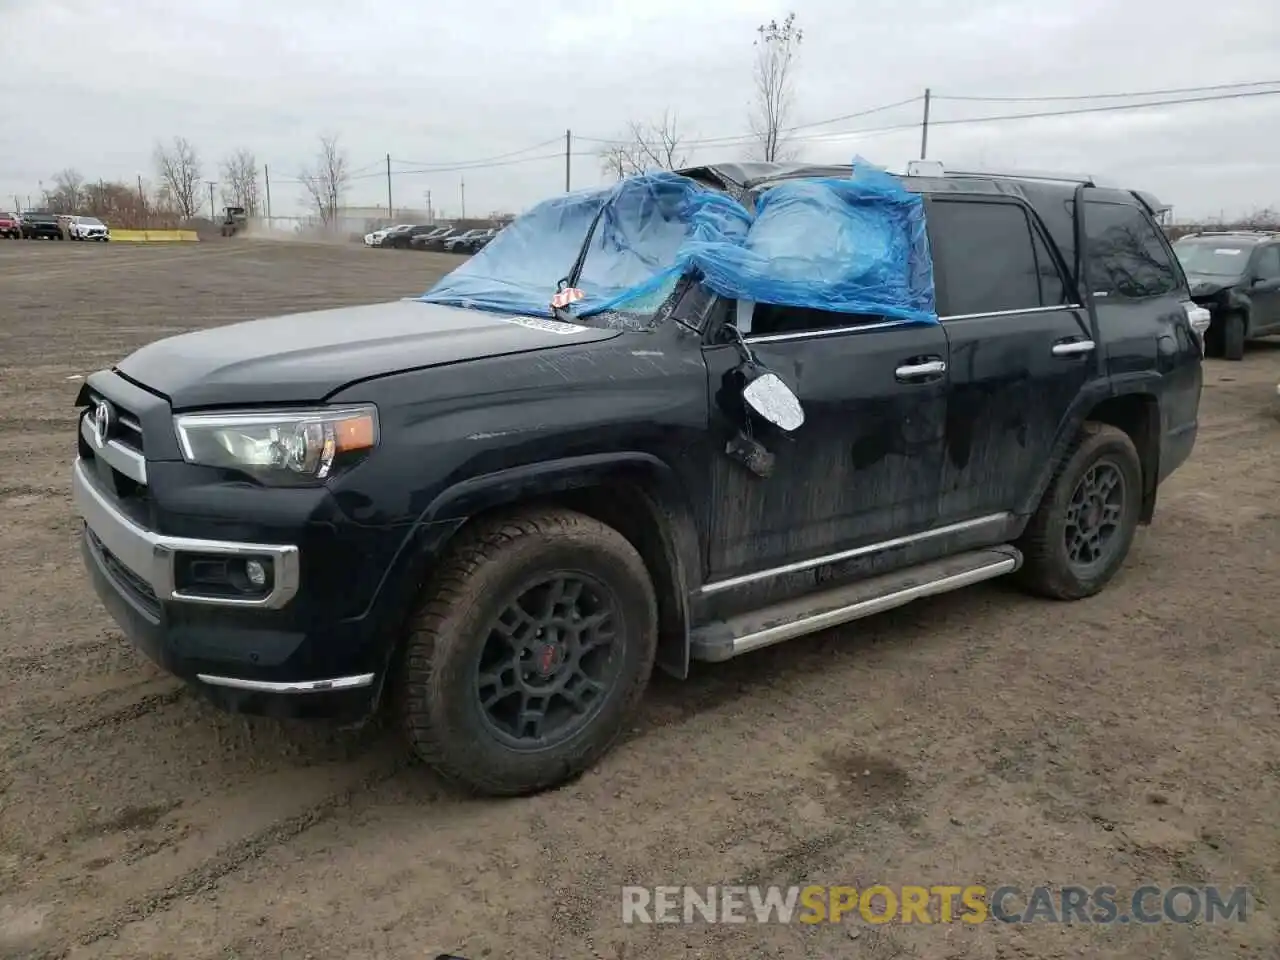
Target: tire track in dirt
[
  {"x": 207, "y": 874},
  {"x": 106, "y": 268}
]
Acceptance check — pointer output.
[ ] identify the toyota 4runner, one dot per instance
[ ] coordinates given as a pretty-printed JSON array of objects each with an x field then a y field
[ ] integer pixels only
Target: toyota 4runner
[{"x": 502, "y": 521}]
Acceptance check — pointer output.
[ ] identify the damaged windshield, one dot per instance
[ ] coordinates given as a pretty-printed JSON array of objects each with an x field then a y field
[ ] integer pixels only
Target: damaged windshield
[
  {"x": 640, "y": 226},
  {"x": 848, "y": 246}
]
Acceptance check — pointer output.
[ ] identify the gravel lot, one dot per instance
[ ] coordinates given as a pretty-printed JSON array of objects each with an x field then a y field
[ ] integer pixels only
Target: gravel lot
[{"x": 982, "y": 737}]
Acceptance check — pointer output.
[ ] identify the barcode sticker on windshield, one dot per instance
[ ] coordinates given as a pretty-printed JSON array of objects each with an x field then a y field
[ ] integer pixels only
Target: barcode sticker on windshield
[
  {"x": 548, "y": 326},
  {"x": 1229, "y": 252}
]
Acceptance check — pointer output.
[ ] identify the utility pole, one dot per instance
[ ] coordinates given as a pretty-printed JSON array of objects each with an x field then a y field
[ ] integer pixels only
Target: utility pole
[
  {"x": 568, "y": 139},
  {"x": 213, "y": 214},
  {"x": 266, "y": 173},
  {"x": 924, "y": 127},
  {"x": 389, "y": 213},
  {"x": 431, "y": 217},
  {"x": 463, "y": 188}
]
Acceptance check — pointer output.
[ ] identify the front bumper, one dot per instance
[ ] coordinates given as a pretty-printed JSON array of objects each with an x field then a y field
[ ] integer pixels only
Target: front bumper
[{"x": 251, "y": 656}]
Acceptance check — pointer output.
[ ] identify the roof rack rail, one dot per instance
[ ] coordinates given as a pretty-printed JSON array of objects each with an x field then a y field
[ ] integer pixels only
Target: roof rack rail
[
  {"x": 934, "y": 168},
  {"x": 1234, "y": 233}
]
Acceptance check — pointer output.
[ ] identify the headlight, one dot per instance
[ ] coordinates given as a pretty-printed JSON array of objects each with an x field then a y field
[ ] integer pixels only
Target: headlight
[{"x": 280, "y": 446}]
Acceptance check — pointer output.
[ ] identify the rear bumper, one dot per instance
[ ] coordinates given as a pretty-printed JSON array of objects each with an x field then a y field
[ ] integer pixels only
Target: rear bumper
[{"x": 265, "y": 655}]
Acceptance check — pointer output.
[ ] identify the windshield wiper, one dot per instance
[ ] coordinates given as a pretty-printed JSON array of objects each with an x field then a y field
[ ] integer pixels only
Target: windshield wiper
[{"x": 570, "y": 280}]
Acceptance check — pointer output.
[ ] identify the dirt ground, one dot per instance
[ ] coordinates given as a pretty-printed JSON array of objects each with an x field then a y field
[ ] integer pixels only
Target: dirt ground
[{"x": 982, "y": 737}]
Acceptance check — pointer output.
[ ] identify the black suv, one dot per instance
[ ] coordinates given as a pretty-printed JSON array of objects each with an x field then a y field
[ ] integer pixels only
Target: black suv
[
  {"x": 1236, "y": 276},
  {"x": 506, "y": 521},
  {"x": 434, "y": 240},
  {"x": 401, "y": 237},
  {"x": 35, "y": 226}
]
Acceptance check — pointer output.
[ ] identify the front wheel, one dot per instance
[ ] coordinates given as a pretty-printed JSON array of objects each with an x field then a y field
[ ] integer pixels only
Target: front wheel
[
  {"x": 533, "y": 647},
  {"x": 1086, "y": 521},
  {"x": 1233, "y": 336}
]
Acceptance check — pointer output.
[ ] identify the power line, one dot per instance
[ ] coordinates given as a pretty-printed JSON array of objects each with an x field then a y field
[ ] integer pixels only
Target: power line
[
  {"x": 457, "y": 164},
  {"x": 512, "y": 158},
  {"x": 834, "y": 135},
  {"x": 1042, "y": 114},
  {"x": 1111, "y": 96},
  {"x": 481, "y": 165},
  {"x": 747, "y": 137}
]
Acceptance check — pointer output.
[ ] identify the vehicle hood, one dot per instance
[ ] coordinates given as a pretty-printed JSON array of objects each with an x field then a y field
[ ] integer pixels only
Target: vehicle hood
[{"x": 305, "y": 357}]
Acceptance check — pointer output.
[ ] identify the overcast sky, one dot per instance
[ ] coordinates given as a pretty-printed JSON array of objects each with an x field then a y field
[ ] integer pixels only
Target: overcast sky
[{"x": 92, "y": 84}]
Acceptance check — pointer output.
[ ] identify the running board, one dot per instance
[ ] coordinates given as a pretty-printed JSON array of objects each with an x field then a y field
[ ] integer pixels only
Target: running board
[{"x": 726, "y": 639}]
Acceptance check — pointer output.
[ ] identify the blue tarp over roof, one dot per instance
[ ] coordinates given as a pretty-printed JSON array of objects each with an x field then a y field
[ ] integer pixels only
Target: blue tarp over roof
[{"x": 854, "y": 245}]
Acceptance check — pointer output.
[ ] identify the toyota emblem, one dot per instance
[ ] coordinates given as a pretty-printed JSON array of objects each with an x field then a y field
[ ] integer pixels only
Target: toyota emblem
[{"x": 103, "y": 417}]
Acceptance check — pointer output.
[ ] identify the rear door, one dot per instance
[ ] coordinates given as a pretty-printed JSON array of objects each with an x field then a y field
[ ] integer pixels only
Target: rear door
[
  {"x": 1265, "y": 290},
  {"x": 1020, "y": 351}
]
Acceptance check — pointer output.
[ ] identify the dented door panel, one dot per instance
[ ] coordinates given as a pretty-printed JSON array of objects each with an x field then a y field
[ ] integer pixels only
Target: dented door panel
[{"x": 864, "y": 466}]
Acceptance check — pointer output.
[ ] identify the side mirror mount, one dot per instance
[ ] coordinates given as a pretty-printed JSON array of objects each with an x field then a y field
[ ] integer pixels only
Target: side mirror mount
[{"x": 773, "y": 400}]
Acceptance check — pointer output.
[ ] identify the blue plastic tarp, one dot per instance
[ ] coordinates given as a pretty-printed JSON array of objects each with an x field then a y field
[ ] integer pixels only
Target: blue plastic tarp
[{"x": 849, "y": 246}]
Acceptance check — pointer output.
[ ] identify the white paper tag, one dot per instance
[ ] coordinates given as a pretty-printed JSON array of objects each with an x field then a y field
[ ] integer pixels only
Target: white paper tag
[
  {"x": 1229, "y": 252},
  {"x": 547, "y": 326}
]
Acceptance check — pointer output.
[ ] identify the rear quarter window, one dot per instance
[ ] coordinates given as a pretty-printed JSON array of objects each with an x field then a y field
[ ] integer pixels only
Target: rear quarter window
[{"x": 1126, "y": 256}]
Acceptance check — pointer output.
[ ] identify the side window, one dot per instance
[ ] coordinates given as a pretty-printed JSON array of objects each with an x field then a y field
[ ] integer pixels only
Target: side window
[
  {"x": 985, "y": 257},
  {"x": 1126, "y": 257},
  {"x": 768, "y": 318},
  {"x": 1268, "y": 267}
]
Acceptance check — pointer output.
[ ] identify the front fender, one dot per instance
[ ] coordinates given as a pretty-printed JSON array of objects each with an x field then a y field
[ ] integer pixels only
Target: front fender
[{"x": 666, "y": 535}]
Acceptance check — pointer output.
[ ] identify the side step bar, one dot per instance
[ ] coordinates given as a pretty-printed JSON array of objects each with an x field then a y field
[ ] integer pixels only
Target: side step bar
[{"x": 726, "y": 639}]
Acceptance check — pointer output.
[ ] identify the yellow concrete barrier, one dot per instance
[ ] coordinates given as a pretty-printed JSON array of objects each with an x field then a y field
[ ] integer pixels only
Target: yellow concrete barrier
[{"x": 154, "y": 236}]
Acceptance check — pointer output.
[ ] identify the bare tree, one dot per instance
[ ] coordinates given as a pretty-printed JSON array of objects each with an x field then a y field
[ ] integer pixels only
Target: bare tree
[
  {"x": 178, "y": 168},
  {"x": 67, "y": 193},
  {"x": 240, "y": 181},
  {"x": 777, "y": 45},
  {"x": 328, "y": 179},
  {"x": 646, "y": 146}
]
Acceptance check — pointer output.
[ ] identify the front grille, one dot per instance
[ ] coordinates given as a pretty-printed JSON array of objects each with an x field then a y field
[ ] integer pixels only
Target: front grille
[
  {"x": 130, "y": 495},
  {"x": 128, "y": 431},
  {"x": 124, "y": 578}
]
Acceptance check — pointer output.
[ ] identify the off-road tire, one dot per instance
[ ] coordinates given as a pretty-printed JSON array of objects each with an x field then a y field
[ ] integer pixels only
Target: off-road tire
[
  {"x": 1046, "y": 570},
  {"x": 482, "y": 573},
  {"x": 1233, "y": 329}
]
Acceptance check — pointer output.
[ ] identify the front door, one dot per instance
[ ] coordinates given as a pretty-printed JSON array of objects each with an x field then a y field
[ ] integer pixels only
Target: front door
[
  {"x": 1020, "y": 353},
  {"x": 864, "y": 466}
]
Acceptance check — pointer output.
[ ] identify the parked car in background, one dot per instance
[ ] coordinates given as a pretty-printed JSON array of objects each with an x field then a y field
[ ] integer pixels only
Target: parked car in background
[
  {"x": 434, "y": 240},
  {"x": 1236, "y": 276},
  {"x": 402, "y": 237},
  {"x": 469, "y": 242},
  {"x": 375, "y": 238},
  {"x": 9, "y": 226},
  {"x": 40, "y": 226},
  {"x": 89, "y": 228}
]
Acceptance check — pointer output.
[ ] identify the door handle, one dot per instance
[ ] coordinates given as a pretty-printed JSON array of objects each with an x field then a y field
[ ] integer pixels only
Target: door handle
[
  {"x": 912, "y": 371},
  {"x": 1072, "y": 348}
]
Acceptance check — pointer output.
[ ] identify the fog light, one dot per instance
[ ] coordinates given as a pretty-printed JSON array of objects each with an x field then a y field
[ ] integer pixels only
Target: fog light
[{"x": 256, "y": 573}]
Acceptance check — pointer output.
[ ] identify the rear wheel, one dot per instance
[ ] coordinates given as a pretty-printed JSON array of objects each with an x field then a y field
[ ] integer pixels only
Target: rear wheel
[
  {"x": 1081, "y": 532},
  {"x": 534, "y": 646},
  {"x": 1233, "y": 336}
]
